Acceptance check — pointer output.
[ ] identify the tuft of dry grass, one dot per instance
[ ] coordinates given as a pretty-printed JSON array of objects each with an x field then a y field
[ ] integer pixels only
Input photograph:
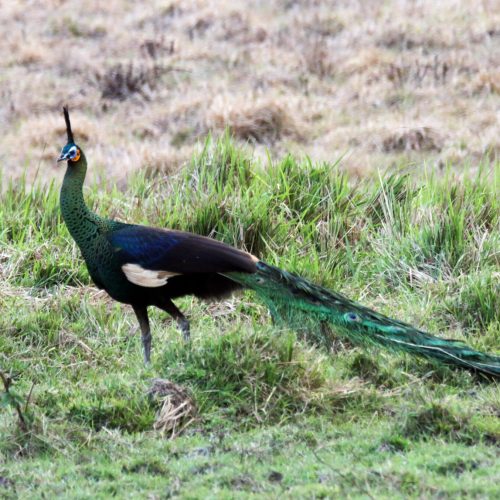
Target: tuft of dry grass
[
  {"x": 123, "y": 81},
  {"x": 416, "y": 139},
  {"x": 176, "y": 407},
  {"x": 487, "y": 82},
  {"x": 261, "y": 122}
]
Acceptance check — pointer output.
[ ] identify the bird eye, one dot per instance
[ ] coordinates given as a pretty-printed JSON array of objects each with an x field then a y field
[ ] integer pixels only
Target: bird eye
[
  {"x": 352, "y": 317},
  {"x": 74, "y": 154}
]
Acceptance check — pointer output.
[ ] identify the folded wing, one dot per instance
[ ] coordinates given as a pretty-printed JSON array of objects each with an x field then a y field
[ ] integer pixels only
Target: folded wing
[{"x": 149, "y": 256}]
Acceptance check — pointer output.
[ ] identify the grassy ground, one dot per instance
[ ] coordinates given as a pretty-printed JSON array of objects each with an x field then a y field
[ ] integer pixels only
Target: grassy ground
[{"x": 274, "y": 417}]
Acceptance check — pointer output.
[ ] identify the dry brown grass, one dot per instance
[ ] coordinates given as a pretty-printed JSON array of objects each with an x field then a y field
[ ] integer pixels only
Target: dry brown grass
[
  {"x": 176, "y": 407},
  {"x": 418, "y": 139},
  {"x": 147, "y": 80},
  {"x": 264, "y": 122}
]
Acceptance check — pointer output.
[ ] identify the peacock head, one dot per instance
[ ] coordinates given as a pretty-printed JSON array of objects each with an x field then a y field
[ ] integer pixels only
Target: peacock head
[{"x": 70, "y": 152}]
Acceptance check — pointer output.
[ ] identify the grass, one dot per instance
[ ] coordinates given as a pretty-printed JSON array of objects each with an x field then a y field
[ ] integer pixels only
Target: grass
[{"x": 275, "y": 417}]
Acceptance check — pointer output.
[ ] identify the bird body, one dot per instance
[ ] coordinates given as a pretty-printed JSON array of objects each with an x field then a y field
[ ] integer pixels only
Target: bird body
[{"x": 144, "y": 266}]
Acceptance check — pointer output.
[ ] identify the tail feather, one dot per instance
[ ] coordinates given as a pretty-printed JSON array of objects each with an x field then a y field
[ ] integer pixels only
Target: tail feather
[{"x": 306, "y": 307}]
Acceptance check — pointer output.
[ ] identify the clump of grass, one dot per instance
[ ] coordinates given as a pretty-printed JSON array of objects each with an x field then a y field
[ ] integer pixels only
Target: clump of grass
[
  {"x": 436, "y": 420},
  {"x": 176, "y": 407},
  {"x": 256, "y": 377},
  {"x": 21, "y": 438},
  {"x": 261, "y": 122},
  {"x": 457, "y": 467},
  {"x": 433, "y": 236},
  {"x": 418, "y": 72},
  {"x": 123, "y": 81},
  {"x": 486, "y": 82},
  {"x": 368, "y": 368},
  {"x": 476, "y": 302},
  {"x": 157, "y": 47},
  {"x": 318, "y": 60},
  {"x": 417, "y": 139},
  {"x": 394, "y": 444},
  {"x": 154, "y": 467},
  {"x": 112, "y": 404},
  {"x": 391, "y": 200},
  {"x": 10, "y": 399}
]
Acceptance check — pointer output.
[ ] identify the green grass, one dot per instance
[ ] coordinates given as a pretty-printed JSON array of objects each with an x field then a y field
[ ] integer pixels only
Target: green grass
[{"x": 275, "y": 417}]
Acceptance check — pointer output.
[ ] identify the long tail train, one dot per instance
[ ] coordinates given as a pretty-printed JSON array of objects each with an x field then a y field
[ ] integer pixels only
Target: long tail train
[{"x": 307, "y": 307}]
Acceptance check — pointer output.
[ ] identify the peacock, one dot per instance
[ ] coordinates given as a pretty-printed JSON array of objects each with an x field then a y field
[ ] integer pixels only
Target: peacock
[{"x": 144, "y": 266}]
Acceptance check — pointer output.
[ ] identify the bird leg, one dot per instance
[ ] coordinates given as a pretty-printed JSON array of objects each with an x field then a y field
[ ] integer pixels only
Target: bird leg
[
  {"x": 169, "y": 307},
  {"x": 142, "y": 316}
]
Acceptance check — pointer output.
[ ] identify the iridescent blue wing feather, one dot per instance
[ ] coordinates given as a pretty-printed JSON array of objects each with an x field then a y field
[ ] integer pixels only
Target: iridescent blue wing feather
[{"x": 177, "y": 251}]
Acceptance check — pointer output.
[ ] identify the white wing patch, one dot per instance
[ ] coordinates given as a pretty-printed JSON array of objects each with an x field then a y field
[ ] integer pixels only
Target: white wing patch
[{"x": 146, "y": 277}]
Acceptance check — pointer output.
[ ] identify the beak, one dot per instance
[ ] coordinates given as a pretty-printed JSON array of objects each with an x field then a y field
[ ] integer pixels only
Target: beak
[{"x": 63, "y": 157}]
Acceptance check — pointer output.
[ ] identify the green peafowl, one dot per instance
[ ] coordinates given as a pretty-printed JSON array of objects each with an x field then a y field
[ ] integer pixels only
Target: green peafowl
[{"x": 144, "y": 266}]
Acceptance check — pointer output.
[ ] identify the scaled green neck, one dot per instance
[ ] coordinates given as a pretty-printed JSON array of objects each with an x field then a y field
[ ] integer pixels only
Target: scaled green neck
[{"x": 81, "y": 222}]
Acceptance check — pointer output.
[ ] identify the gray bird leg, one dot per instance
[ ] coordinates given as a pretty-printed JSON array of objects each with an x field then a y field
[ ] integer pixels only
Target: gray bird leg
[
  {"x": 142, "y": 316},
  {"x": 169, "y": 307}
]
